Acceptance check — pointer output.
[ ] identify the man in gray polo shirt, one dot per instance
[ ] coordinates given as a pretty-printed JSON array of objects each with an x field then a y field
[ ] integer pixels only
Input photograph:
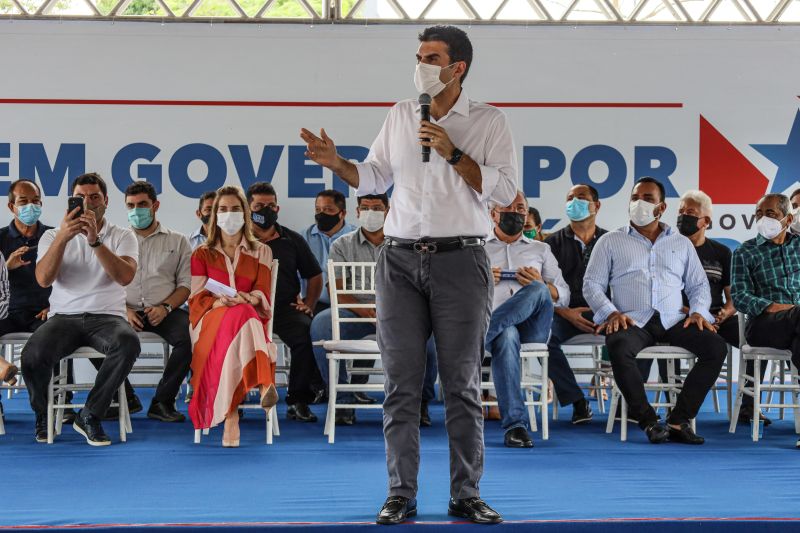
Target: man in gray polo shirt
[
  {"x": 359, "y": 246},
  {"x": 153, "y": 300}
]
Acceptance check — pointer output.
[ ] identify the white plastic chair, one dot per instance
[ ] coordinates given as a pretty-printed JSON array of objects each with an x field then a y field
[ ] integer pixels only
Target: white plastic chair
[
  {"x": 599, "y": 369},
  {"x": 671, "y": 388},
  {"x": 158, "y": 361},
  {"x": 339, "y": 349},
  {"x": 11, "y": 345},
  {"x": 58, "y": 388},
  {"x": 272, "y": 414},
  {"x": 760, "y": 354}
]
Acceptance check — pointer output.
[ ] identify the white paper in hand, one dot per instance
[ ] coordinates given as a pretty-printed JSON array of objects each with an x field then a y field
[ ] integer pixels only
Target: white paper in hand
[{"x": 219, "y": 289}]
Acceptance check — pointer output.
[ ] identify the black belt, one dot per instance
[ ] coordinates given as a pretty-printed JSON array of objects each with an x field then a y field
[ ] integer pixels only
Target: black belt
[{"x": 428, "y": 245}]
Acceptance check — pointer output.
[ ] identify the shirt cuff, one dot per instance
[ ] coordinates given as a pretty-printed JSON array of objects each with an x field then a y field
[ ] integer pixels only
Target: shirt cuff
[
  {"x": 602, "y": 314},
  {"x": 490, "y": 176},
  {"x": 366, "y": 179},
  {"x": 705, "y": 313}
]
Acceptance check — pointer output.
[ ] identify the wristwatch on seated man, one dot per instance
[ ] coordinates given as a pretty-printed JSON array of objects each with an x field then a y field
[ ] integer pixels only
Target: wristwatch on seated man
[{"x": 166, "y": 306}]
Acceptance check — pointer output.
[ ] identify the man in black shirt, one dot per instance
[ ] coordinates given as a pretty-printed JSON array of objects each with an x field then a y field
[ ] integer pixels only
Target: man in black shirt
[
  {"x": 29, "y": 301},
  {"x": 572, "y": 247},
  {"x": 293, "y": 314}
]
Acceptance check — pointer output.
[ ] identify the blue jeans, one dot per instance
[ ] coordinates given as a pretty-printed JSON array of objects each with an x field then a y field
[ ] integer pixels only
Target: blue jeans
[
  {"x": 567, "y": 389},
  {"x": 523, "y": 318},
  {"x": 322, "y": 329}
]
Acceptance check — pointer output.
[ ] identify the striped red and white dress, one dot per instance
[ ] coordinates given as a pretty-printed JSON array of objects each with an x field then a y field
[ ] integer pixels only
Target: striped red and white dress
[{"x": 231, "y": 353}]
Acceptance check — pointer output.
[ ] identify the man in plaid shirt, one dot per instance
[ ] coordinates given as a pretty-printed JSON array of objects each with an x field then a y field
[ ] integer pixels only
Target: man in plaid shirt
[{"x": 765, "y": 280}]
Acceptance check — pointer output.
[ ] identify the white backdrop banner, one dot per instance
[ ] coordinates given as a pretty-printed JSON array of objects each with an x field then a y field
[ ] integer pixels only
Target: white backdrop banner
[{"x": 191, "y": 107}]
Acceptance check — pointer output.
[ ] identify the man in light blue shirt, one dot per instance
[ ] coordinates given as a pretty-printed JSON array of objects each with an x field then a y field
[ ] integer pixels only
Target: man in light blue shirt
[
  {"x": 646, "y": 265},
  {"x": 330, "y": 212}
]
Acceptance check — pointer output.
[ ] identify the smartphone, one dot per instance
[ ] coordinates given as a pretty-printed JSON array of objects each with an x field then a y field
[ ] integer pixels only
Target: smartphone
[
  {"x": 508, "y": 275},
  {"x": 143, "y": 317},
  {"x": 72, "y": 203},
  {"x": 30, "y": 255}
]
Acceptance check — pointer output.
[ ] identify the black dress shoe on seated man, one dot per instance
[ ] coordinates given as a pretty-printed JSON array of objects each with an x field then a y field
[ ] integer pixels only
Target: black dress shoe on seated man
[
  {"x": 475, "y": 510},
  {"x": 581, "y": 412},
  {"x": 40, "y": 433},
  {"x": 518, "y": 438},
  {"x": 164, "y": 412},
  {"x": 685, "y": 434},
  {"x": 395, "y": 510},
  {"x": 363, "y": 398},
  {"x": 656, "y": 433},
  {"x": 134, "y": 406},
  {"x": 301, "y": 413},
  {"x": 90, "y": 427}
]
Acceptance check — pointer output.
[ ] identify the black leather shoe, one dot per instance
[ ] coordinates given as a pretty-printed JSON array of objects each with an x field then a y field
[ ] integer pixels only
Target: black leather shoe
[
  {"x": 69, "y": 416},
  {"x": 656, "y": 433},
  {"x": 685, "y": 435},
  {"x": 301, "y": 413},
  {"x": 395, "y": 510},
  {"x": 134, "y": 406},
  {"x": 581, "y": 412},
  {"x": 41, "y": 428},
  {"x": 90, "y": 427},
  {"x": 518, "y": 438},
  {"x": 746, "y": 416},
  {"x": 345, "y": 417},
  {"x": 320, "y": 396},
  {"x": 164, "y": 412},
  {"x": 424, "y": 416},
  {"x": 363, "y": 398},
  {"x": 474, "y": 510}
]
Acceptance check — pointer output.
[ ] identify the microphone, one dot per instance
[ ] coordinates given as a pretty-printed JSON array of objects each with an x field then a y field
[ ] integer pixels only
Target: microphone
[{"x": 425, "y": 114}]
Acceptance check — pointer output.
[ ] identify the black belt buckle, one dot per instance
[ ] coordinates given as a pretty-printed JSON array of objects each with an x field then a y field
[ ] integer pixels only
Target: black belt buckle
[{"x": 425, "y": 247}]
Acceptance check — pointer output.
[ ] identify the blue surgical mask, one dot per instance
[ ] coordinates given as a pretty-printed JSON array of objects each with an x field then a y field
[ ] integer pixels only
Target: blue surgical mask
[
  {"x": 29, "y": 214},
  {"x": 140, "y": 217},
  {"x": 578, "y": 209}
]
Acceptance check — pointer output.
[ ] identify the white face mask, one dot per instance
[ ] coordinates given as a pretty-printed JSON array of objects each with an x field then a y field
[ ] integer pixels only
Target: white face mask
[
  {"x": 371, "y": 220},
  {"x": 642, "y": 213},
  {"x": 769, "y": 228},
  {"x": 230, "y": 222},
  {"x": 795, "y": 221},
  {"x": 426, "y": 79}
]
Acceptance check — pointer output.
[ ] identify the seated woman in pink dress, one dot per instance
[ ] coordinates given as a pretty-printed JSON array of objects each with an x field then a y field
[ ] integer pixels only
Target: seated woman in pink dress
[{"x": 231, "y": 352}]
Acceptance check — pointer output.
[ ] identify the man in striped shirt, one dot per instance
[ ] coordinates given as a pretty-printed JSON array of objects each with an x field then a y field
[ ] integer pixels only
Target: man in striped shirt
[{"x": 646, "y": 265}]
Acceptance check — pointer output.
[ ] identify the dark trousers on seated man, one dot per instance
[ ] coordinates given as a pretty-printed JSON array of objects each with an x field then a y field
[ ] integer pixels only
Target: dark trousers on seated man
[
  {"x": 60, "y": 336},
  {"x": 779, "y": 330},
  {"x": 294, "y": 329},
  {"x": 624, "y": 345},
  {"x": 523, "y": 318}
]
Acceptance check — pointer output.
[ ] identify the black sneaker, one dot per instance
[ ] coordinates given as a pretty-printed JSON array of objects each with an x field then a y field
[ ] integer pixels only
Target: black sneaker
[
  {"x": 40, "y": 433},
  {"x": 581, "y": 412},
  {"x": 90, "y": 427},
  {"x": 134, "y": 406}
]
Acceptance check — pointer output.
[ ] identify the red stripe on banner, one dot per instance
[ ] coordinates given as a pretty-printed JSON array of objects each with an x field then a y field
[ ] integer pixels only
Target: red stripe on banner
[{"x": 243, "y": 103}]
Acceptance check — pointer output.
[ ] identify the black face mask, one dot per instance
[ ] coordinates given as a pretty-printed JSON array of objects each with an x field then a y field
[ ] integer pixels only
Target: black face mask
[
  {"x": 266, "y": 218},
  {"x": 511, "y": 223},
  {"x": 326, "y": 222},
  {"x": 204, "y": 219},
  {"x": 687, "y": 224}
]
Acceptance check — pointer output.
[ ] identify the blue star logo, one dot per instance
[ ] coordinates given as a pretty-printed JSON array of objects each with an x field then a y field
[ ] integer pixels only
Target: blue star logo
[{"x": 786, "y": 157}]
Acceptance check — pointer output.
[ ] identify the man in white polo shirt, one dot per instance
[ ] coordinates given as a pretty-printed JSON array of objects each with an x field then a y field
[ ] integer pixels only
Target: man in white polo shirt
[{"x": 88, "y": 261}]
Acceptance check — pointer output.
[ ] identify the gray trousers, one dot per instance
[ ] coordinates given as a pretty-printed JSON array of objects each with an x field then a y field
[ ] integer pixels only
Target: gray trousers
[{"x": 448, "y": 294}]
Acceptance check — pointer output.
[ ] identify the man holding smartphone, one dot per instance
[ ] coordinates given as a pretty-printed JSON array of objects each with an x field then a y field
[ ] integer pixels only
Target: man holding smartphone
[
  {"x": 87, "y": 261},
  {"x": 522, "y": 310}
]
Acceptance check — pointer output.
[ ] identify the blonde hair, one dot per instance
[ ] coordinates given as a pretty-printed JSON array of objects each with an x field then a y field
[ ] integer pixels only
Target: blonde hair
[{"x": 214, "y": 233}]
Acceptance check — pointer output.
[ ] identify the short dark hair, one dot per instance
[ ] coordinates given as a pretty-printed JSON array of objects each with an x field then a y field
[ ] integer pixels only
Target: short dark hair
[
  {"x": 592, "y": 191},
  {"x": 91, "y": 178},
  {"x": 139, "y": 187},
  {"x": 260, "y": 187},
  {"x": 208, "y": 195},
  {"x": 459, "y": 47},
  {"x": 14, "y": 184},
  {"x": 537, "y": 218},
  {"x": 382, "y": 197},
  {"x": 783, "y": 201},
  {"x": 338, "y": 198},
  {"x": 794, "y": 193},
  {"x": 648, "y": 179}
]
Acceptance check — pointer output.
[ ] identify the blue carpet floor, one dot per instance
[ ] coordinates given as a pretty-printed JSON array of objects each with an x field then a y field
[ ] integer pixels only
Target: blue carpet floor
[{"x": 579, "y": 479}]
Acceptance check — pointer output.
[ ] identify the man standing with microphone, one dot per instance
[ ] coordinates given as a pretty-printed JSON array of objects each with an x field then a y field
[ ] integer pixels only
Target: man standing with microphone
[{"x": 433, "y": 275}]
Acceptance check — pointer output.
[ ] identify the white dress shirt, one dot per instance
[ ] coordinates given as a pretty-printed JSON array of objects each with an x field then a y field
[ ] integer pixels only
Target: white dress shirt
[
  {"x": 82, "y": 284},
  {"x": 646, "y": 277},
  {"x": 524, "y": 252},
  {"x": 431, "y": 199}
]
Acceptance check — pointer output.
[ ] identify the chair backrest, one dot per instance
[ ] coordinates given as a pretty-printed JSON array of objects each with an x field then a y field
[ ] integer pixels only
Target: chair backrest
[
  {"x": 357, "y": 279},
  {"x": 273, "y": 282}
]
